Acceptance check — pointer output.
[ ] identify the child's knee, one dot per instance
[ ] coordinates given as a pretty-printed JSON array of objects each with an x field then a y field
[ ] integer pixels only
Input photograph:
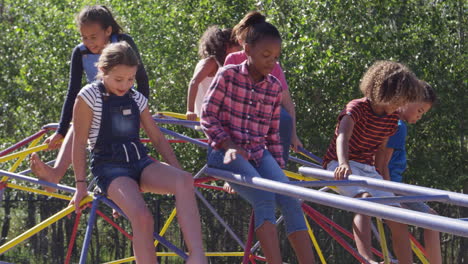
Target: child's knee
[
  {"x": 142, "y": 218},
  {"x": 185, "y": 181}
]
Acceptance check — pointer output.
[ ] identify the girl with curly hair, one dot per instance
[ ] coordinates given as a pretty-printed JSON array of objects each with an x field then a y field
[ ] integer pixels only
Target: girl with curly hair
[{"x": 214, "y": 45}]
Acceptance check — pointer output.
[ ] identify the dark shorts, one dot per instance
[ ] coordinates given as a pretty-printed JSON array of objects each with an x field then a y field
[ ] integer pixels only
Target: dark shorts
[{"x": 106, "y": 172}]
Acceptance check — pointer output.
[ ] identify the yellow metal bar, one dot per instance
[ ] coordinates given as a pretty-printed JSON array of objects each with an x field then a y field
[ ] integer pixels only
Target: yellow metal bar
[
  {"x": 27, "y": 189},
  {"x": 383, "y": 241},
  {"x": 166, "y": 225},
  {"x": 24, "y": 152},
  {"x": 314, "y": 241},
  {"x": 64, "y": 212},
  {"x": 21, "y": 158},
  {"x": 176, "y": 115},
  {"x": 298, "y": 176},
  {"x": 171, "y": 254},
  {"x": 419, "y": 253}
]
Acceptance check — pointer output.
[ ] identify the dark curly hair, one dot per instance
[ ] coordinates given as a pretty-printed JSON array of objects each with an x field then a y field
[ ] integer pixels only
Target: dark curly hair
[
  {"x": 98, "y": 14},
  {"x": 214, "y": 43},
  {"x": 389, "y": 82},
  {"x": 254, "y": 27},
  {"x": 429, "y": 93}
]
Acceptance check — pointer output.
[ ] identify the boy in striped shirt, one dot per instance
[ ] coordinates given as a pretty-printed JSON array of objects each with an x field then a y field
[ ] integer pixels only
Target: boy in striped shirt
[{"x": 363, "y": 127}]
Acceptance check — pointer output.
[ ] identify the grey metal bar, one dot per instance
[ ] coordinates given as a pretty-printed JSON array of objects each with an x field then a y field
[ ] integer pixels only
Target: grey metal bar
[
  {"x": 220, "y": 219},
  {"x": 389, "y": 186},
  {"x": 407, "y": 199},
  {"x": 326, "y": 183},
  {"x": 434, "y": 222}
]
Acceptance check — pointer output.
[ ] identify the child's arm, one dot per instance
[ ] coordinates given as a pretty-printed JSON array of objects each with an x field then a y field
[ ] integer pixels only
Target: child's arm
[
  {"x": 160, "y": 142},
  {"x": 272, "y": 138},
  {"x": 345, "y": 130},
  {"x": 288, "y": 105},
  {"x": 202, "y": 71},
  {"x": 141, "y": 76},
  {"x": 74, "y": 86},
  {"x": 82, "y": 118},
  {"x": 382, "y": 159}
]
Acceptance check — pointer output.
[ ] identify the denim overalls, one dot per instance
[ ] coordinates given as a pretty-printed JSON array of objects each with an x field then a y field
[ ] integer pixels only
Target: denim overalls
[
  {"x": 89, "y": 60},
  {"x": 118, "y": 150}
]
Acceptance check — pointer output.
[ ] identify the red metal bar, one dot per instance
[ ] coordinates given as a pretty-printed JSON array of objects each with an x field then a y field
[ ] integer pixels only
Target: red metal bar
[
  {"x": 248, "y": 244},
  {"x": 340, "y": 228},
  {"x": 332, "y": 233},
  {"x": 209, "y": 187},
  {"x": 423, "y": 250},
  {"x": 205, "y": 179},
  {"x": 73, "y": 237},
  {"x": 114, "y": 224},
  {"x": 22, "y": 143}
]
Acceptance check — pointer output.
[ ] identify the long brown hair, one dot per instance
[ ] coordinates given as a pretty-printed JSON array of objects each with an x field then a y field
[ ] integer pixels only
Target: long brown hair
[{"x": 120, "y": 53}]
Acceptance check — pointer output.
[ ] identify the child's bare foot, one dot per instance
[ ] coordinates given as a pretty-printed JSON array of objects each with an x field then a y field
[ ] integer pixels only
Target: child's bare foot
[
  {"x": 197, "y": 259},
  {"x": 42, "y": 171}
]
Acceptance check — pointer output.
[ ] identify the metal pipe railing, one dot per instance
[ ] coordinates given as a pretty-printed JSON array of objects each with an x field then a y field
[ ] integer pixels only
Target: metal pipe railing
[
  {"x": 434, "y": 222},
  {"x": 390, "y": 186}
]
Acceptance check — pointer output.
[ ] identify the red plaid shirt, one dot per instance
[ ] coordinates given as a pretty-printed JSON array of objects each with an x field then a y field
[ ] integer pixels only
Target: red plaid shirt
[{"x": 248, "y": 113}]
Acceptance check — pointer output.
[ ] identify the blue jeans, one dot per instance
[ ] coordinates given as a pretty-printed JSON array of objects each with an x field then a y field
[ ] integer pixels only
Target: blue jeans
[
  {"x": 263, "y": 202},
  {"x": 285, "y": 132},
  {"x": 106, "y": 172}
]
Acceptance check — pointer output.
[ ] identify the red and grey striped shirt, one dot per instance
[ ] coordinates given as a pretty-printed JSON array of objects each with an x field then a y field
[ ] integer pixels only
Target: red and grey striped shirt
[
  {"x": 248, "y": 113},
  {"x": 370, "y": 130}
]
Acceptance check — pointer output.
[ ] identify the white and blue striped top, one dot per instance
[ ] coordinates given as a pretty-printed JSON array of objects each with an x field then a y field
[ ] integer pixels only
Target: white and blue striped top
[{"x": 93, "y": 98}]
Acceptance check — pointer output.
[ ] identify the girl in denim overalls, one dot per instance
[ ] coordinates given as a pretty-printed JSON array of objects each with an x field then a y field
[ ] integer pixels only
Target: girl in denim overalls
[
  {"x": 108, "y": 114},
  {"x": 97, "y": 28}
]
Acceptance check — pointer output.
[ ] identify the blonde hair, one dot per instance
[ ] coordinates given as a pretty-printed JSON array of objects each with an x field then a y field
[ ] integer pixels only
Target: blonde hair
[
  {"x": 389, "y": 82},
  {"x": 120, "y": 53}
]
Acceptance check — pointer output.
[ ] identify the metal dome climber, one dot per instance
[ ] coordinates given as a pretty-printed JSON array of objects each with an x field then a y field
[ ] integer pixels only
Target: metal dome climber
[{"x": 300, "y": 189}]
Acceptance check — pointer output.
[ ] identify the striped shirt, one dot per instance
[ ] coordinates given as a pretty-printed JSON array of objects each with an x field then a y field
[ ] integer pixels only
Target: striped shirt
[
  {"x": 370, "y": 130},
  {"x": 93, "y": 98},
  {"x": 245, "y": 112}
]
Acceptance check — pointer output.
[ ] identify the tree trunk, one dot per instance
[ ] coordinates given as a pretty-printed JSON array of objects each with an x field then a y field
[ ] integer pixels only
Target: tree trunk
[{"x": 6, "y": 221}]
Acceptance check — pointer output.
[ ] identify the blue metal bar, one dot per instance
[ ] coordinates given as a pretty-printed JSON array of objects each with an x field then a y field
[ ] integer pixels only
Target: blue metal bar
[
  {"x": 303, "y": 162},
  {"x": 89, "y": 230},
  {"x": 390, "y": 186},
  {"x": 434, "y": 222},
  {"x": 37, "y": 181},
  {"x": 188, "y": 139},
  {"x": 310, "y": 154},
  {"x": 406, "y": 199},
  {"x": 170, "y": 246}
]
